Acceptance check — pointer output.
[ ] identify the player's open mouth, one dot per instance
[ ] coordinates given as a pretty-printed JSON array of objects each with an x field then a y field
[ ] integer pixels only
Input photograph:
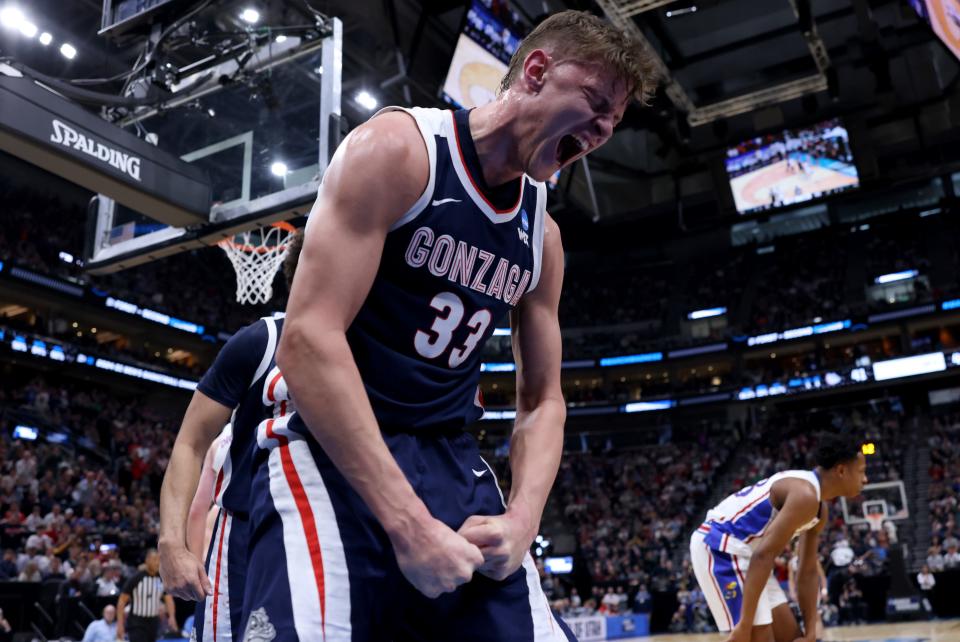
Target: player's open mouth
[{"x": 568, "y": 147}]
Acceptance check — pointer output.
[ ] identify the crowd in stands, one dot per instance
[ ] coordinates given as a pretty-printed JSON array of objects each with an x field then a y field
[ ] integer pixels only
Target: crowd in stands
[
  {"x": 196, "y": 286},
  {"x": 79, "y": 513},
  {"x": 602, "y": 291},
  {"x": 944, "y": 493},
  {"x": 803, "y": 279},
  {"x": 104, "y": 343}
]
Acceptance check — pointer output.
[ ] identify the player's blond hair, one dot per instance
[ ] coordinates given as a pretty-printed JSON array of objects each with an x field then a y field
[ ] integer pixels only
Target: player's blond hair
[{"x": 583, "y": 37}]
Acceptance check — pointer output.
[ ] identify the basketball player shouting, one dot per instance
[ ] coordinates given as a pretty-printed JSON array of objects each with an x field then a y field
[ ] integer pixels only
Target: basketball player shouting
[
  {"x": 734, "y": 550},
  {"x": 373, "y": 516}
]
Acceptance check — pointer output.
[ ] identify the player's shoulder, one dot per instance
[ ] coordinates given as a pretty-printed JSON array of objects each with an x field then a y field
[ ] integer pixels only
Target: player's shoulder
[
  {"x": 250, "y": 341},
  {"x": 254, "y": 333},
  {"x": 799, "y": 493},
  {"x": 390, "y": 139},
  {"x": 552, "y": 239},
  {"x": 380, "y": 170}
]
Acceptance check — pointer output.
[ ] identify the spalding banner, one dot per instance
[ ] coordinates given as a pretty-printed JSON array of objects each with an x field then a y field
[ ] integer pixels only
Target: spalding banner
[
  {"x": 70, "y": 137},
  {"x": 51, "y": 132}
]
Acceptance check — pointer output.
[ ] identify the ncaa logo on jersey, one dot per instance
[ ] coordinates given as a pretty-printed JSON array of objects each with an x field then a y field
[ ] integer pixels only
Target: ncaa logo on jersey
[{"x": 525, "y": 224}]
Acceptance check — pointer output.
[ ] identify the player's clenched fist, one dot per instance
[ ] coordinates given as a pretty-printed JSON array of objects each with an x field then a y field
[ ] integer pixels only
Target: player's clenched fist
[
  {"x": 435, "y": 559},
  {"x": 502, "y": 541},
  {"x": 182, "y": 574}
]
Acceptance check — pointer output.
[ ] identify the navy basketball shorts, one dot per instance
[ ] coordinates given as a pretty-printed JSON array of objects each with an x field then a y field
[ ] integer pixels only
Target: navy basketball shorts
[
  {"x": 322, "y": 568},
  {"x": 218, "y": 617}
]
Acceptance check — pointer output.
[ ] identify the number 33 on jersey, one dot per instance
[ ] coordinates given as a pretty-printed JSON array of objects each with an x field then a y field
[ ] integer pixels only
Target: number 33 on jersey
[{"x": 451, "y": 268}]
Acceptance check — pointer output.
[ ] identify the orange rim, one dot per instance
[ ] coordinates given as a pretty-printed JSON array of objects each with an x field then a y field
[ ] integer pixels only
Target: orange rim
[{"x": 283, "y": 225}]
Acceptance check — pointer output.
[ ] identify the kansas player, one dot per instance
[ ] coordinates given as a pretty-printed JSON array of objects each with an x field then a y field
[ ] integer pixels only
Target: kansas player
[
  {"x": 733, "y": 551},
  {"x": 374, "y": 517},
  {"x": 234, "y": 390}
]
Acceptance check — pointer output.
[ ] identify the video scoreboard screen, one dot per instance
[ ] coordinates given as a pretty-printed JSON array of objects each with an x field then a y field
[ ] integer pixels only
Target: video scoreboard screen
[{"x": 792, "y": 166}]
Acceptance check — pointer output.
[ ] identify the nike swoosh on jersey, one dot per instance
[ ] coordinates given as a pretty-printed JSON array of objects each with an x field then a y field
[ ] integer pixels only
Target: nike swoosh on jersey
[
  {"x": 479, "y": 473},
  {"x": 446, "y": 200}
]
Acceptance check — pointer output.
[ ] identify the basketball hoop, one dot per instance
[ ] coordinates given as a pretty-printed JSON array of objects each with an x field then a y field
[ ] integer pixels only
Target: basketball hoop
[
  {"x": 256, "y": 256},
  {"x": 876, "y": 522}
]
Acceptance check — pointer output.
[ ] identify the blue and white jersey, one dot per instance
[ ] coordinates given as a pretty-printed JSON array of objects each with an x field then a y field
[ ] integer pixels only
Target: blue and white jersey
[
  {"x": 237, "y": 379},
  {"x": 451, "y": 268},
  {"x": 736, "y": 524}
]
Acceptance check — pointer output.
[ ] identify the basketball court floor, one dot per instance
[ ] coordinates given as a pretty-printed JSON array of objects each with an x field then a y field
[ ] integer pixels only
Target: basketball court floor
[{"x": 938, "y": 631}]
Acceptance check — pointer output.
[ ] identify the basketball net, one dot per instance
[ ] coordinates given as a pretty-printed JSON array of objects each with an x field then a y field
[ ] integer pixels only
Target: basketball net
[
  {"x": 875, "y": 520},
  {"x": 256, "y": 256}
]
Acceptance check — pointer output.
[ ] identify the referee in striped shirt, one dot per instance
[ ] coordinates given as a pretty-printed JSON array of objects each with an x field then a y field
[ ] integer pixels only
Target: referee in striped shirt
[{"x": 144, "y": 593}]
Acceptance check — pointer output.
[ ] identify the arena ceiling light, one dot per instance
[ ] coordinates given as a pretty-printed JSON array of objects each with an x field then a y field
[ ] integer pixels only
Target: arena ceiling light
[
  {"x": 28, "y": 29},
  {"x": 706, "y": 314},
  {"x": 46, "y": 38},
  {"x": 250, "y": 16},
  {"x": 11, "y": 17},
  {"x": 366, "y": 100},
  {"x": 278, "y": 168},
  {"x": 68, "y": 51},
  {"x": 682, "y": 12},
  {"x": 896, "y": 276}
]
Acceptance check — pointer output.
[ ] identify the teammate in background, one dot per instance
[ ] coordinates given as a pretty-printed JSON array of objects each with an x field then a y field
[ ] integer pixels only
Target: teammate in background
[
  {"x": 202, "y": 518},
  {"x": 430, "y": 226},
  {"x": 209, "y": 474},
  {"x": 733, "y": 551}
]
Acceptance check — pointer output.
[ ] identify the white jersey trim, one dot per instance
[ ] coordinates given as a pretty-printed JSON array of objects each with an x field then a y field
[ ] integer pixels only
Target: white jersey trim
[
  {"x": 268, "y": 351},
  {"x": 538, "y": 226}
]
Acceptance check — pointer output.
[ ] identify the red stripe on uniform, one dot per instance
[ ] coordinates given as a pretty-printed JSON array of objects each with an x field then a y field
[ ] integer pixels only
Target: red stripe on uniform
[
  {"x": 736, "y": 566},
  {"x": 723, "y": 602},
  {"x": 466, "y": 169},
  {"x": 309, "y": 525},
  {"x": 273, "y": 384},
  {"x": 306, "y": 516},
  {"x": 216, "y": 489},
  {"x": 216, "y": 582},
  {"x": 750, "y": 505}
]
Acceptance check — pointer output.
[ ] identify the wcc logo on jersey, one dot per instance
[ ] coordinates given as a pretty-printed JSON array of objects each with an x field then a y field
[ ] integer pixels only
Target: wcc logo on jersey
[{"x": 523, "y": 230}]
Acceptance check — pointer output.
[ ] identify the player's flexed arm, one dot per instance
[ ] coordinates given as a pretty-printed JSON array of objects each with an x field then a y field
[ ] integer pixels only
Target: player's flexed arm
[
  {"x": 537, "y": 440},
  {"x": 808, "y": 576},
  {"x": 798, "y": 504},
  {"x": 377, "y": 174}
]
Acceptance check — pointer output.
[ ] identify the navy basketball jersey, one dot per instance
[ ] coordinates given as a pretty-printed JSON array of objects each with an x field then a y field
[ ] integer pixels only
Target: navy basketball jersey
[
  {"x": 451, "y": 268},
  {"x": 237, "y": 380}
]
